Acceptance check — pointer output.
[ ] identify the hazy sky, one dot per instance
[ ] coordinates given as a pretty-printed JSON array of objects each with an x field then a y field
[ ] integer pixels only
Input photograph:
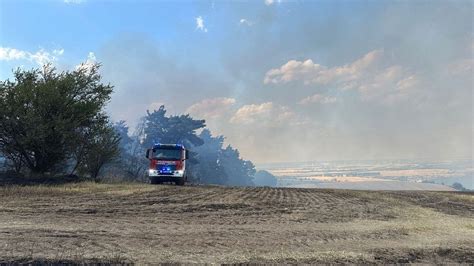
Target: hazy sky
[{"x": 282, "y": 80}]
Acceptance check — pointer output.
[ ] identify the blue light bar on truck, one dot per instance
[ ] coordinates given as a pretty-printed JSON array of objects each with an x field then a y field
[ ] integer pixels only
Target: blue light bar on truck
[{"x": 168, "y": 146}]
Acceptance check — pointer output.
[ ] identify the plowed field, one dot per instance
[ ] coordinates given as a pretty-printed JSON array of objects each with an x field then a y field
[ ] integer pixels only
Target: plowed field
[{"x": 141, "y": 223}]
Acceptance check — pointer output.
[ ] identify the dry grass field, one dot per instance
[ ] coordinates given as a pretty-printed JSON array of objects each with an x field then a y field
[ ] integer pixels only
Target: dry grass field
[{"x": 141, "y": 223}]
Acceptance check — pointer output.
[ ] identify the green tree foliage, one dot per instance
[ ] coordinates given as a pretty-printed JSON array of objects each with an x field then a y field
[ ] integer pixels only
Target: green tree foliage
[
  {"x": 239, "y": 171},
  {"x": 216, "y": 165},
  {"x": 132, "y": 161},
  {"x": 48, "y": 117},
  {"x": 101, "y": 148},
  {"x": 209, "y": 162},
  {"x": 208, "y": 168},
  {"x": 122, "y": 129},
  {"x": 159, "y": 128},
  {"x": 171, "y": 129}
]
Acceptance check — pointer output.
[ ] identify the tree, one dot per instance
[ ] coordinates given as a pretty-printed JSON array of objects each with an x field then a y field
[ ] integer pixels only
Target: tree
[
  {"x": 122, "y": 129},
  {"x": 239, "y": 171},
  {"x": 13, "y": 159},
  {"x": 209, "y": 169},
  {"x": 101, "y": 148},
  {"x": 216, "y": 165},
  {"x": 159, "y": 128},
  {"x": 458, "y": 186},
  {"x": 171, "y": 129},
  {"x": 208, "y": 162},
  {"x": 45, "y": 113},
  {"x": 132, "y": 160},
  {"x": 264, "y": 178}
]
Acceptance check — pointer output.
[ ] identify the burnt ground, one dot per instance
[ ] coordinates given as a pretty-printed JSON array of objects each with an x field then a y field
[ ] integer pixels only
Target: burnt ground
[{"x": 140, "y": 223}]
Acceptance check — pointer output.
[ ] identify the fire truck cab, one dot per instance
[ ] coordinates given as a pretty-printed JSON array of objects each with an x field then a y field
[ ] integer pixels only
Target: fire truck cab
[{"x": 167, "y": 163}]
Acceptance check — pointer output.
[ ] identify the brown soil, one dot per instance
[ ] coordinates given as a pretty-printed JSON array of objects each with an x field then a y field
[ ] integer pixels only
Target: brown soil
[{"x": 107, "y": 223}]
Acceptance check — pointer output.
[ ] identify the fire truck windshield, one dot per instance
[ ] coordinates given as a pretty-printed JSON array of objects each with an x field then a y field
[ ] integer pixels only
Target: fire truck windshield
[{"x": 167, "y": 154}]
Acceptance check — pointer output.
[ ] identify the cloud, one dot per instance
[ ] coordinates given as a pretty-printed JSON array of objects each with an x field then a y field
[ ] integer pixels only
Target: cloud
[
  {"x": 250, "y": 113},
  {"x": 89, "y": 63},
  {"x": 91, "y": 56},
  {"x": 264, "y": 114},
  {"x": 461, "y": 67},
  {"x": 200, "y": 24},
  {"x": 245, "y": 22},
  {"x": 58, "y": 52},
  {"x": 7, "y": 54},
  {"x": 370, "y": 75},
  {"x": 310, "y": 72},
  {"x": 41, "y": 57},
  {"x": 318, "y": 98},
  {"x": 211, "y": 108},
  {"x": 269, "y": 2}
]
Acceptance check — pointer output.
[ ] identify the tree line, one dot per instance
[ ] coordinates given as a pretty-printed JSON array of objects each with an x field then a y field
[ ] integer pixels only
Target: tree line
[{"x": 54, "y": 123}]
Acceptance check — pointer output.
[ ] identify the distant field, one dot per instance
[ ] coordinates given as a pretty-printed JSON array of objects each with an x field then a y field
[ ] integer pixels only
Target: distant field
[
  {"x": 88, "y": 222},
  {"x": 379, "y": 185},
  {"x": 375, "y": 175}
]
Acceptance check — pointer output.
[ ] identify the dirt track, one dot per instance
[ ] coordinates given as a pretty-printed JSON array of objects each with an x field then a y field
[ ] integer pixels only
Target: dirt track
[{"x": 147, "y": 224}]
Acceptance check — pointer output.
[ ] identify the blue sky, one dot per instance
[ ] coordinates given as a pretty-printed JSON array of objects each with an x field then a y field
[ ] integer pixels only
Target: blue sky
[
  {"x": 84, "y": 26},
  {"x": 336, "y": 79}
]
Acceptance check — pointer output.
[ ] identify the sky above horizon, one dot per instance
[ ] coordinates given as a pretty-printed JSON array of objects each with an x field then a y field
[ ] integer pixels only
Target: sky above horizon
[{"x": 281, "y": 80}]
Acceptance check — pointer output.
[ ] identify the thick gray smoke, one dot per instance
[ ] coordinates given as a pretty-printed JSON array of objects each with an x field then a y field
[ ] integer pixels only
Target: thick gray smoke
[{"x": 307, "y": 81}]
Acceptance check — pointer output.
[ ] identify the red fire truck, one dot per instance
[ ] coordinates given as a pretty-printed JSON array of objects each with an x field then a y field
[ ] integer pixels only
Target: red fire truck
[{"x": 167, "y": 163}]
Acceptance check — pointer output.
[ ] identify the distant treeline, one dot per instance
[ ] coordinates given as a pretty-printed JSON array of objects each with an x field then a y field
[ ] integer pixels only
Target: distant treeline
[{"x": 54, "y": 124}]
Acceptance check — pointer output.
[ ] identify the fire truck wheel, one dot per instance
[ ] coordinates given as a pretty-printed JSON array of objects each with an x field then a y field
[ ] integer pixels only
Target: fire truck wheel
[
  {"x": 180, "y": 181},
  {"x": 154, "y": 181}
]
